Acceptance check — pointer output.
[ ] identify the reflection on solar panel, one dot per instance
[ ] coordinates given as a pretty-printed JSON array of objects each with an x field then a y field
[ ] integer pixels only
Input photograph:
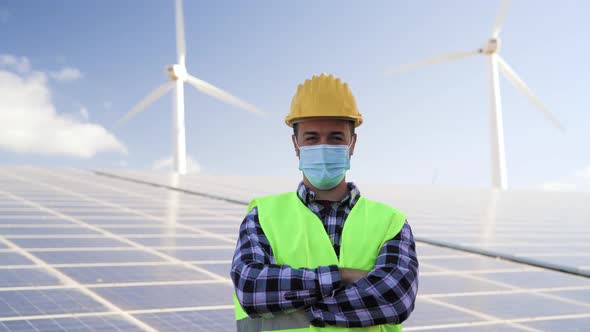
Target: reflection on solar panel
[{"x": 81, "y": 252}]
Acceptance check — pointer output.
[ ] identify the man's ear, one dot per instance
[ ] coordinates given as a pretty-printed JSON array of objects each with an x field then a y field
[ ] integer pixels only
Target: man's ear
[
  {"x": 294, "y": 139},
  {"x": 354, "y": 137}
]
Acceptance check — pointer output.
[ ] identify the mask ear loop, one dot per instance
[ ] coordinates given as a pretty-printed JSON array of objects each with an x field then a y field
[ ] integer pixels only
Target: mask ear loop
[
  {"x": 297, "y": 143},
  {"x": 298, "y": 148},
  {"x": 349, "y": 146},
  {"x": 351, "y": 142}
]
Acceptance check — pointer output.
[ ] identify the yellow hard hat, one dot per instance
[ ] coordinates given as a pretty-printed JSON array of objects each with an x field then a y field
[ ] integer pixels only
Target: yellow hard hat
[{"x": 323, "y": 96}]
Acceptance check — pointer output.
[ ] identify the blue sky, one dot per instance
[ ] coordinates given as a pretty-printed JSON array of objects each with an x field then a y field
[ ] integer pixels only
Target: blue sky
[{"x": 420, "y": 127}]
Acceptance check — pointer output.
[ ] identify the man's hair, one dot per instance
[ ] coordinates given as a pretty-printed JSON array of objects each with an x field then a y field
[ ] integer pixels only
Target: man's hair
[{"x": 296, "y": 125}]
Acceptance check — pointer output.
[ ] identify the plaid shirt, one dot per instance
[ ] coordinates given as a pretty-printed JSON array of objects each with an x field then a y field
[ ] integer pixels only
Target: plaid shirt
[{"x": 265, "y": 288}]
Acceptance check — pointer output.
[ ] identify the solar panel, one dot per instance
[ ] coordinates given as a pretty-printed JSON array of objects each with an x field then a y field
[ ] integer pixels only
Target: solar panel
[
  {"x": 82, "y": 252},
  {"x": 102, "y": 323},
  {"x": 541, "y": 228}
]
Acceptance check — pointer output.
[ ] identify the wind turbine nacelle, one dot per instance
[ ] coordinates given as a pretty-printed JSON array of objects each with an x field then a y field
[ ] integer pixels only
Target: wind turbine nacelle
[
  {"x": 492, "y": 46},
  {"x": 176, "y": 72}
]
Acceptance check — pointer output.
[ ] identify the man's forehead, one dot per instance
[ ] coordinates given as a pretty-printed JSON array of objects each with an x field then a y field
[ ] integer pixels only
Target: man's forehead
[{"x": 324, "y": 125}]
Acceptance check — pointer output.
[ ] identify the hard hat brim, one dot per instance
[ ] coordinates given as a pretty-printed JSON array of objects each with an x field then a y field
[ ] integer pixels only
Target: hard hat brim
[{"x": 291, "y": 121}]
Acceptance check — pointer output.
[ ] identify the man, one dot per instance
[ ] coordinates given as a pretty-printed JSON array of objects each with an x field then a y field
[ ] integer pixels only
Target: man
[{"x": 324, "y": 257}]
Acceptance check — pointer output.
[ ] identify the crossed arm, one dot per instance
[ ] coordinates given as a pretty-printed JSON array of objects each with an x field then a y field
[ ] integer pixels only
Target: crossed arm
[{"x": 329, "y": 295}]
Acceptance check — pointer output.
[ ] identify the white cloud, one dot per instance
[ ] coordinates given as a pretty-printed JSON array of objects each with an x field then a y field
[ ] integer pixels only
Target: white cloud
[
  {"x": 29, "y": 123},
  {"x": 165, "y": 164},
  {"x": 66, "y": 74},
  {"x": 123, "y": 163},
  {"x": 22, "y": 64}
]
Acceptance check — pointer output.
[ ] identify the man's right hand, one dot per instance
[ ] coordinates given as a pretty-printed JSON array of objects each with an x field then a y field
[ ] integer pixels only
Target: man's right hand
[{"x": 349, "y": 276}]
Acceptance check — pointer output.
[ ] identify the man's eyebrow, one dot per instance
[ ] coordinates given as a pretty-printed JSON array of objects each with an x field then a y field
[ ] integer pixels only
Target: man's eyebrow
[{"x": 311, "y": 133}]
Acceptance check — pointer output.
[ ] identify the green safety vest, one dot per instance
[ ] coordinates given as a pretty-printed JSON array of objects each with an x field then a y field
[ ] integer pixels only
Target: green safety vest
[{"x": 298, "y": 239}]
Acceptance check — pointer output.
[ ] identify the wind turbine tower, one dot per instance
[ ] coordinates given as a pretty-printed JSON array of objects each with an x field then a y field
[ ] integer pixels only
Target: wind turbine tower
[
  {"x": 179, "y": 75},
  {"x": 496, "y": 64}
]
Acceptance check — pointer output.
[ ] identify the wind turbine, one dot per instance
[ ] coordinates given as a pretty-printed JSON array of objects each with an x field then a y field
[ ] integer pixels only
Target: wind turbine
[
  {"x": 496, "y": 63},
  {"x": 178, "y": 76}
]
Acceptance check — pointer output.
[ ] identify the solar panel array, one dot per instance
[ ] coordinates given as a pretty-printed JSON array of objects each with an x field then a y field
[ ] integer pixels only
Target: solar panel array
[
  {"x": 82, "y": 252},
  {"x": 551, "y": 228}
]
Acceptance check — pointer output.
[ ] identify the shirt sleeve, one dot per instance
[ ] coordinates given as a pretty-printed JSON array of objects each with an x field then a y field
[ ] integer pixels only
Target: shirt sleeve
[
  {"x": 385, "y": 296},
  {"x": 263, "y": 287}
]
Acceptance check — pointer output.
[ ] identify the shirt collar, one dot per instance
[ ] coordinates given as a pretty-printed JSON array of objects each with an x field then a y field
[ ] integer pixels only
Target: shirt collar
[{"x": 307, "y": 196}]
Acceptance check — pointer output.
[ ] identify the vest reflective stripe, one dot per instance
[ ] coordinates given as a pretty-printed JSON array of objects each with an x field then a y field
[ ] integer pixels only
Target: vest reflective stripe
[
  {"x": 296, "y": 320},
  {"x": 298, "y": 239}
]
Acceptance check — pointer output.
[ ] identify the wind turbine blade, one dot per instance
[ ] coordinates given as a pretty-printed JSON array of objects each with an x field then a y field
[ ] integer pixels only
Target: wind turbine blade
[
  {"x": 500, "y": 18},
  {"x": 153, "y": 96},
  {"x": 432, "y": 61},
  {"x": 180, "y": 40},
  {"x": 216, "y": 92},
  {"x": 525, "y": 90}
]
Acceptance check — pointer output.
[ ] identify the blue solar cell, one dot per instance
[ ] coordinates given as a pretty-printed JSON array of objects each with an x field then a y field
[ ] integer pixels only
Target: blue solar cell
[
  {"x": 202, "y": 321},
  {"x": 25, "y": 212},
  {"x": 68, "y": 243},
  {"x": 79, "y": 324},
  {"x": 428, "y": 250},
  {"x": 106, "y": 256},
  {"x": 46, "y": 231},
  {"x": 538, "y": 279},
  {"x": 428, "y": 313},
  {"x": 425, "y": 268},
  {"x": 26, "y": 277},
  {"x": 118, "y": 221},
  {"x": 220, "y": 269},
  {"x": 582, "y": 295},
  {"x": 200, "y": 220},
  {"x": 482, "y": 328},
  {"x": 444, "y": 284},
  {"x": 99, "y": 211},
  {"x": 562, "y": 325},
  {"x": 524, "y": 249},
  {"x": 574, "y": 260},
  {"x": 5, "y": 220},
  {"x": 157, "y": 231},
  {"x": 549, "y": 251},
  {"x": 70, "y": 204},
  {"x": 221, "y": 230},
  {"x": 168, "y": 296},
  {"x": 200, "y": 254},
  {"x": 13, "y": 258},
  {"x": 120, "y": 274},
  {"x": 172, "y": 241},
  {"x": 46, "y": 302},
  {"x": 511, "y": 306},
  {"x": 472, "y": 263}
]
